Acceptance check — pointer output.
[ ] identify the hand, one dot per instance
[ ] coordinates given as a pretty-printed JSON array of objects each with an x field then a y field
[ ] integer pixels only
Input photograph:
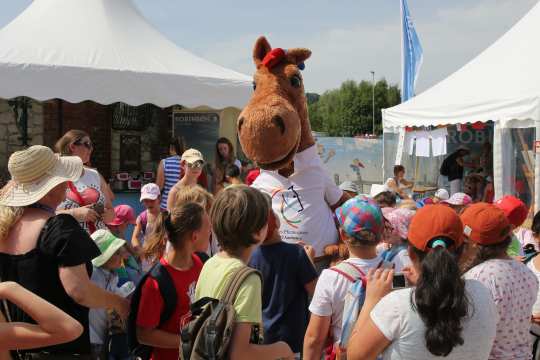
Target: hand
[
  {"x": 535, "y": 318},
  {"x": 379, "y": 283},
  {"x": 85, "y": 214},
  {"x": 122, "y": 307},
  {"x": 410, "y": 274},
  {"x": 310, "y": 251}
]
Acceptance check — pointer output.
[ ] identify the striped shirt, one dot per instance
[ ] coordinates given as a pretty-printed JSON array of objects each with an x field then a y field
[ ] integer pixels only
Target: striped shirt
[{"x": 172, "y": 173}]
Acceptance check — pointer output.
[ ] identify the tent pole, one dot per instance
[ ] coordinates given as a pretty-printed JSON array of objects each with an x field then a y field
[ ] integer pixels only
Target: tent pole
[{"x": 537, "y": 169}]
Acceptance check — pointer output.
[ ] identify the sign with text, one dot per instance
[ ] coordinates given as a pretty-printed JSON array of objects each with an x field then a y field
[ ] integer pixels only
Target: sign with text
[{"x": 200, "y": 130}]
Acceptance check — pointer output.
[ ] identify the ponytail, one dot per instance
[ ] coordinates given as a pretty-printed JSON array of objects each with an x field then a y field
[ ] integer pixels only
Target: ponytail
[
  {"x": 154, "y": 246},
  {"x": 440, "y": 300},
  {"x": 487, "y": 252}
]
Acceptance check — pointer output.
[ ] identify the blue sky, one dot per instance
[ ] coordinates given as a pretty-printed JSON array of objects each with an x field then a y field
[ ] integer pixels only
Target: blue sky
[{"x": 348, "y": 37}]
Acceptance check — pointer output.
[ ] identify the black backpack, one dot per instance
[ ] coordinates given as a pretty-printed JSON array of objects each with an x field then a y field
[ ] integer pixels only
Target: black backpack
[{"x": 168, "y": 292}]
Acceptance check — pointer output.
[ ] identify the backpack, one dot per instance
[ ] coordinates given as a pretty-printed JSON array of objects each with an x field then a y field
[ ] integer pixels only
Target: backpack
[
  {"x": 206, "y": 331},
  {"x": 168, "y": 292},
  {"x": 390, "y": 254}
]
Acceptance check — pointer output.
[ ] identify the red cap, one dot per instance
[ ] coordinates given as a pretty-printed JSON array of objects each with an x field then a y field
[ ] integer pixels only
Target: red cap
[
  {"x": 515, "y": 210},
  {"x": 123, "y": 214},
  {"x": 485, "y": 224},
  {"x": 433, "y": 222}
]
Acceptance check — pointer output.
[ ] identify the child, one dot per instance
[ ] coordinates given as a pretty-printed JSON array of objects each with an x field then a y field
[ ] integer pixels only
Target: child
[
  {"x": 192, "y": 165},
  {"x": 104, "y": 275},
  {"x": 361, "y": 228},
  {"x": 151, "y": 198},
  {"x": 187, "y": 228},
  {"x": 289, "y": 277},
  {"x": 232, "y": 175},
  {"x": 239, "y": 220},
  {"x": 124, "y": 215},
  {"x": 399, "y": 221}
]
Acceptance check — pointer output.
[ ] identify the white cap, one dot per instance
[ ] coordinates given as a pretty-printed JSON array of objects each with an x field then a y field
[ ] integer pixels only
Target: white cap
[
  {"x": 349, "y": 186},
  {"x": 442, "y": 194},
  {"x": 150, "y": 191}
]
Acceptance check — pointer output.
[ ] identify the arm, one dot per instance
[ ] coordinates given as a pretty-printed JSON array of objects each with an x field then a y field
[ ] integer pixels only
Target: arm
[
  {"x": 171, "y": 200},
  {"x": 84, "y": 292},
  {"x": 316, "y": 335},
  {"x": 135, "y": 243},
  {"x": 241, "y": 349},
  {"x": 53, "y": 325},
  {"x": 160, "y": 176},
  {"x": 310, "y": 287},
  {"x": 108, "y": 214},
  {"x": 158, "y": 338},
  {"x": 344, "y": 197}
]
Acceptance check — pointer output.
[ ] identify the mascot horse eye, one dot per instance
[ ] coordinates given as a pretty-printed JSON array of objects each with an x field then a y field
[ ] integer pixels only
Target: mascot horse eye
[
  {"x": 254, "y": 86},
  {"x": 296, "y": 81}
]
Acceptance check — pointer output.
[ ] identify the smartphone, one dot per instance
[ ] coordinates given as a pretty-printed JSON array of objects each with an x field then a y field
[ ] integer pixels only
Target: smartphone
[{"x": 399, "y": 281}]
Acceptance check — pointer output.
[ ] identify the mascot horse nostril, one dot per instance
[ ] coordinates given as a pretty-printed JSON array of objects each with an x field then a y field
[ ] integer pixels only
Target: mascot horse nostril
[
  {"x": 278, "y": 121},
  {"x": 240, "y": 123}
]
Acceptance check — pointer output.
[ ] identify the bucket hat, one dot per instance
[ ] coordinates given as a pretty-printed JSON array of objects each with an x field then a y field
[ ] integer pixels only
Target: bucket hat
[{"x": 107, "y": 243}]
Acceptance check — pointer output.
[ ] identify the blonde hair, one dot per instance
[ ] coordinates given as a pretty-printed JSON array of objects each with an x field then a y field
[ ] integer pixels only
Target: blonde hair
[
  {"x": 194, "y": 194},
  {"x": 9, "y": 215}
]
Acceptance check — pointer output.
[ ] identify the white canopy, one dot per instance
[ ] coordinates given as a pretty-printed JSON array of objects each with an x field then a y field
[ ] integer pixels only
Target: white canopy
[
  {"x": 501, "y": 84},
  {"x": 105, "y": 51}
]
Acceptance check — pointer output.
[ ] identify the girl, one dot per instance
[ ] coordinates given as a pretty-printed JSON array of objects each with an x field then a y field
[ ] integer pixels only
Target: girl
[
  {"x": 223, "y": 157},
  {"x": 192, "y": 165}
]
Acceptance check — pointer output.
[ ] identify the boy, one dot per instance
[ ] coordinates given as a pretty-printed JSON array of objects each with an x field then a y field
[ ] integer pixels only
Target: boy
[
  {"x": 289, "y": 277},
  {"x": 239, "y": 220},
  {"x": 104, "y": 275},
  {"x": 361, "y": 228}
]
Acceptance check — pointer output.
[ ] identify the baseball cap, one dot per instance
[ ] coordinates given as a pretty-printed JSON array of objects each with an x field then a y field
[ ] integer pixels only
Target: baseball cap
[
  {"x": 400, "y": 220},
  {"x": 150, "y": 191},
  {"x": 442, "y": 194},
  {"x": 191, "y": 156},
  {"x": 123, "y": 214},
  {"x": 107, "y": 243},
  {"x": 435, "y": 222},
  {"x": 458, "y": 199},
  {"x": 349, "y": 186},
  {"x": 515, "y": 210},
  {"x": 485, "y": 224},
  {"x": 361, "y": 214}
]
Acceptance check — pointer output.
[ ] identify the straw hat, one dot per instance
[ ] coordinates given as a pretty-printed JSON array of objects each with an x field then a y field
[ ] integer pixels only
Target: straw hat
[{"x": 36, "y": 171}]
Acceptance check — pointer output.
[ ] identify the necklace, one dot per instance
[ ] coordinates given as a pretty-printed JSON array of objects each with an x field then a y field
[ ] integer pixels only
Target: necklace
[{"x": 43, "y": 207}]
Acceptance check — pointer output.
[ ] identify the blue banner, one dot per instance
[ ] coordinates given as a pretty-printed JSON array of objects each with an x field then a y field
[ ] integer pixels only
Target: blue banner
[{"x": 411, "y": 54}]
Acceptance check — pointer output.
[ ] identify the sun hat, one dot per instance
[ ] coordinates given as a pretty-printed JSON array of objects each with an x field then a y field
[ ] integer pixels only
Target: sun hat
[
  {"x": 515, "y": 210},
  {"x": 361, "y": 214},
  {"x": 458, "y": 199},
  {"x": 123, "y": 214},
  {"x": 349, "y": 186},
  {"x": 442, "y": 194},
  {"x": 191, "y": 156},
  {"x": 485, "y": 224},
  {"x": 107, "y": 243},
  {"x": 150, "y": 191},
  {"x": 432, "y": 223},
  {"x": 36, "y": 171},
  {"x": 400, "y": 219}
]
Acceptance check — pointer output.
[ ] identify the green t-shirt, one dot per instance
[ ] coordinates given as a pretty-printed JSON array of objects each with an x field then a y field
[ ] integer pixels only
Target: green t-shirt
[
  {"x": 213, "y": 277},
  {"x": 515, "y": 247}
]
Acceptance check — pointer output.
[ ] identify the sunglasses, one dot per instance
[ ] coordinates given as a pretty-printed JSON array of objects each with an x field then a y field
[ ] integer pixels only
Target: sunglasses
[
  {"x": 196, "y": 165},
  {"x": 87, "y": 144}
]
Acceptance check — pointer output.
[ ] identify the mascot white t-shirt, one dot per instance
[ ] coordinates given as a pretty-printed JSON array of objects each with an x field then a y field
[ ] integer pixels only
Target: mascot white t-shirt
[{"x": 302, "y": 201}]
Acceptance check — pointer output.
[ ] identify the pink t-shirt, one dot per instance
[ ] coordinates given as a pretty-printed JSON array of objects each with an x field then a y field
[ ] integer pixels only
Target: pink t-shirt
[{"x": 514, "y": 288}]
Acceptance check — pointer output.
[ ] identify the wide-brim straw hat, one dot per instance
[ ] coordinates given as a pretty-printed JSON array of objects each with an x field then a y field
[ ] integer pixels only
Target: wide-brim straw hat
[{"x": 36, "y": 171}]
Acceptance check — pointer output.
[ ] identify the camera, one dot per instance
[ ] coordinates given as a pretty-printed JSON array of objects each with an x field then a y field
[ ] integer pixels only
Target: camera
[{"x": 399, "y": 281}]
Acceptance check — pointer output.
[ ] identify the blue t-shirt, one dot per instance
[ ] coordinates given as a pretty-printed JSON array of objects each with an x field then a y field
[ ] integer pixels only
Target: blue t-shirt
[{"x": 285, "y": 268}]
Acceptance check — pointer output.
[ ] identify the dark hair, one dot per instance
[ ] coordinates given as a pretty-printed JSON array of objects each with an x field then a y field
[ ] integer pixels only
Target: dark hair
[
  {"x": 238, "y": 212},
  {"x": 398, "y": 169},
  {"x": 219, "y": 160},
  {"x": 232, "y": 171},
  {"x": 386, "y": 199},
  {"x": 440, "y": 298},
  {"x": 536, "y": 224},
  {"x": 487, "y": 252},
  {"x": 69, "y": 138},
  {"x": 177, "y": 143},
  {"x": 173, "y": 226}
]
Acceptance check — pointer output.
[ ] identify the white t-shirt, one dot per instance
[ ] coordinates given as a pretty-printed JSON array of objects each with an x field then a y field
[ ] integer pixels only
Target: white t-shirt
[
  {"x": 106, "y": 280},
  {"x": 329, "y": 296},
  {"x": 401, "y": 260},
  {"x": 536, "y": 307},
  {"x": 399, "y": 323},
  {"x": 514, "y": 289},
  {"x": 303, "y": 201}
]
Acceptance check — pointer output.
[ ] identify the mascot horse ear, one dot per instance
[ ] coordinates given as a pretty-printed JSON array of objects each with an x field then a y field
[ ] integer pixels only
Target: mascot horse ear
[
  {"x": 297, "y": 56},
  {"x": 261, "y": 49}
]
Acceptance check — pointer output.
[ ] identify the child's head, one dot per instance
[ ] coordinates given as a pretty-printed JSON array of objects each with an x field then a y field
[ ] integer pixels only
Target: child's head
[
  {"x": 111, "y": 248},
  {"x": 458, "y": 202},
  {"x": 124, "y": 216},
  {"x": 385, "y": 199},
  {"x": 231, "y": 172},
  {"x": 151, "y": 196},
  {"x": 194, "y": 194},
  {"x": 399, "y": 221},
  {"x": 440, "y": 195},
  {"x": 187, "y": 224},
  {"x": 361, "y": 222},
  {"x": 239, "y": 218}
]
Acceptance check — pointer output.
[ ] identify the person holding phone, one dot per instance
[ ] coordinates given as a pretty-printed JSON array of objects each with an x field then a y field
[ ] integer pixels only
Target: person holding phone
[{"x": 441, "y": 315}]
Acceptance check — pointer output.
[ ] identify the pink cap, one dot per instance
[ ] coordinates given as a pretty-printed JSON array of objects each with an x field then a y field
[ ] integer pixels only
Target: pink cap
[
  {"x": 123, "y": 214},
  {"x": 150, "y": 191},
  {"x": 458, "y": 199}
]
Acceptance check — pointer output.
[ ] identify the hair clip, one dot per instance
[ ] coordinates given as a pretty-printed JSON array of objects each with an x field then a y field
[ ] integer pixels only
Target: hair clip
[{"x": 439, "y": 242}]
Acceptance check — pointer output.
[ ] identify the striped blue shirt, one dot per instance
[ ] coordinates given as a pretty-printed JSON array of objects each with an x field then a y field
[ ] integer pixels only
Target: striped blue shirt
[{"x": 172, "y": 172}]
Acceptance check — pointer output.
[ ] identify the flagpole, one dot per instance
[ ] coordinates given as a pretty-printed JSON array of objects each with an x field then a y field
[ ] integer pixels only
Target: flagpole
[{"x": 373, "y": 102}]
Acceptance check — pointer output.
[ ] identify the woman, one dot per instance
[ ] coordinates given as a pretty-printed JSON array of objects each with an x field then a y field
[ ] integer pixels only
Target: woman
[
  {"x": 49, "y": 254},
  {"x": 512, "y": 285},
  {"x": 442, "y": 315},
  {"x": 224, "y": 156},
  {"x": 192, "y": 163},
  {"x": 89, "y": 199},
  {"x": 398, "y": 184}
]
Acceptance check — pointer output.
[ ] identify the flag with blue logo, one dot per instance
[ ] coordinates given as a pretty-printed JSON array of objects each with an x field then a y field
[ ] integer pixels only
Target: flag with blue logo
[{"x": 411, "y": 54}]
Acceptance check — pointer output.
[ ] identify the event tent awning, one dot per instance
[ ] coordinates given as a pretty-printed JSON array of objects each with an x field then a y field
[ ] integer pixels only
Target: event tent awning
[
  {"x": 105, "y": 51},
  {"x": 501, "y": 84}
]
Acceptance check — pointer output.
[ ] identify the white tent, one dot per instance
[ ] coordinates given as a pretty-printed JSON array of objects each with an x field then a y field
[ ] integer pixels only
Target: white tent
[
  {"x": 502, "y": 84},
  {"x": 105, "y": 51}
]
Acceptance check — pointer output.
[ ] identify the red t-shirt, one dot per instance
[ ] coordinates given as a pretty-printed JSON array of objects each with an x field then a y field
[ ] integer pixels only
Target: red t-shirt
[{"x": 151, "y": 303}]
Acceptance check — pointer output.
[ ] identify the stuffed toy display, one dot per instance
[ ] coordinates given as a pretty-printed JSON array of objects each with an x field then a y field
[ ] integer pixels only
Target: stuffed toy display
[{"x": 275, "y": 133}]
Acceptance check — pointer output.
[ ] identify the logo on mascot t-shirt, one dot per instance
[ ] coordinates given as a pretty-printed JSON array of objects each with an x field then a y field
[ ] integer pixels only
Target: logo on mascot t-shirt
[{"x": 290, "y": 205}]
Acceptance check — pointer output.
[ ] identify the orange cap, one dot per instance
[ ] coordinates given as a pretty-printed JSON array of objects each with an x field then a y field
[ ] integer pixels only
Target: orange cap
[
  {"x": 432, "y": 222},
  {"x": 485, "y": 224}
]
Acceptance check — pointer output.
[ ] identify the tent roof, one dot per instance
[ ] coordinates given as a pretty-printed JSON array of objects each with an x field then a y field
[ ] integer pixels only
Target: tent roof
[
  {"x": 501, "y": 84},
  {"x": 106, "y": 51}
]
